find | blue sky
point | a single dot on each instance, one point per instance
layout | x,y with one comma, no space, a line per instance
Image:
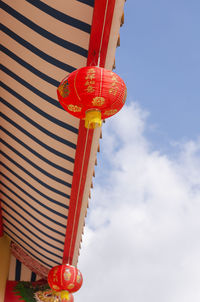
159,59
141,240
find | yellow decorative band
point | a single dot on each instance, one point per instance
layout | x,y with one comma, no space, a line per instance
74,108
110,112
98,101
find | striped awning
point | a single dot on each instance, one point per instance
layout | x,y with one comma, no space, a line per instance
41,43
20,272
43,147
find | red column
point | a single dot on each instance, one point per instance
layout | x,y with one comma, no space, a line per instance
99,38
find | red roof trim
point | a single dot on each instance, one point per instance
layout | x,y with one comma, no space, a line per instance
80,171
99,38
100,32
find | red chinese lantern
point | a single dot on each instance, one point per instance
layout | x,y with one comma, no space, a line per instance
92,93
65,278
71,298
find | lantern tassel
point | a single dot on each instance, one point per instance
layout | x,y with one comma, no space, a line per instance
93,119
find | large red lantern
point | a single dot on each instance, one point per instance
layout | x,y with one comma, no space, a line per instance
92,93
65,278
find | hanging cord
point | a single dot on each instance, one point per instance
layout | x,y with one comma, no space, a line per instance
79,185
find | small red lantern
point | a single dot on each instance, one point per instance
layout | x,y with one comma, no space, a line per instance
71,298
65,278
92,93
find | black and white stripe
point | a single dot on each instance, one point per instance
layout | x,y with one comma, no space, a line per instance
19,272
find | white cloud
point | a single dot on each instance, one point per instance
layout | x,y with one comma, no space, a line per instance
142,237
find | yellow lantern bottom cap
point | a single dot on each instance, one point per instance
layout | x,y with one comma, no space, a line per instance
93,119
